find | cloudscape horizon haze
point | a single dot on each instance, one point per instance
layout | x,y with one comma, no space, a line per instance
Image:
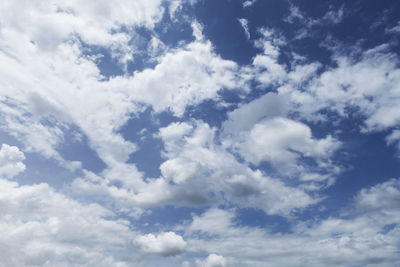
200,133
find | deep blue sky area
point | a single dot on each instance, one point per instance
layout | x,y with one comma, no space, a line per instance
200,133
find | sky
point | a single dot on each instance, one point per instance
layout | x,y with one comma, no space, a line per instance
200,133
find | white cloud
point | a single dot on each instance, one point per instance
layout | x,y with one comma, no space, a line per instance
333,16
11,161
197,164
245,25
213,221
295,14
156,48
196,170
213,260
50,84
176,6
343,89
266,68
247,115
282,141
184,77
395,29
248,3
49,24
44,228
164,244
381,198
394,138
197,31
259,132
367,233
346,86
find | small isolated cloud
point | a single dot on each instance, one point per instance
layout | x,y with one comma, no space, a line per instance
248,3
11,161
245,25
164,244
213,260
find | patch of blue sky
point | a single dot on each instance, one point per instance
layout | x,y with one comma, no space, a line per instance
369,161
75,147
39,169
252,217
142,130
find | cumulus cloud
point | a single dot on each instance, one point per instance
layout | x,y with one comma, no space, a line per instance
344,87
247,115
72,91
164,244
196,170
214,221
213,260
43,227
184,77
259,132
280,140
11,161
366,233
55,22
194,157
51,82
266,68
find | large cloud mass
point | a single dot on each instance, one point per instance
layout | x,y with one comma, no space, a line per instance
149,133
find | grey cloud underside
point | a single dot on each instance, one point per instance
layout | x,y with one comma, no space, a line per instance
51,86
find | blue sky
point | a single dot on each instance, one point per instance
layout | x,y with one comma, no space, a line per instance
199,133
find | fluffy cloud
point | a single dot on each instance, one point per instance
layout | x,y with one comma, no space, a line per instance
50,23
259,131
62,85
164,244
184,77
43,227
213,260
265,66
194,157
52,87
342,89
11,161
248,3
366,233
345,88
198,171
280,140
247,115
